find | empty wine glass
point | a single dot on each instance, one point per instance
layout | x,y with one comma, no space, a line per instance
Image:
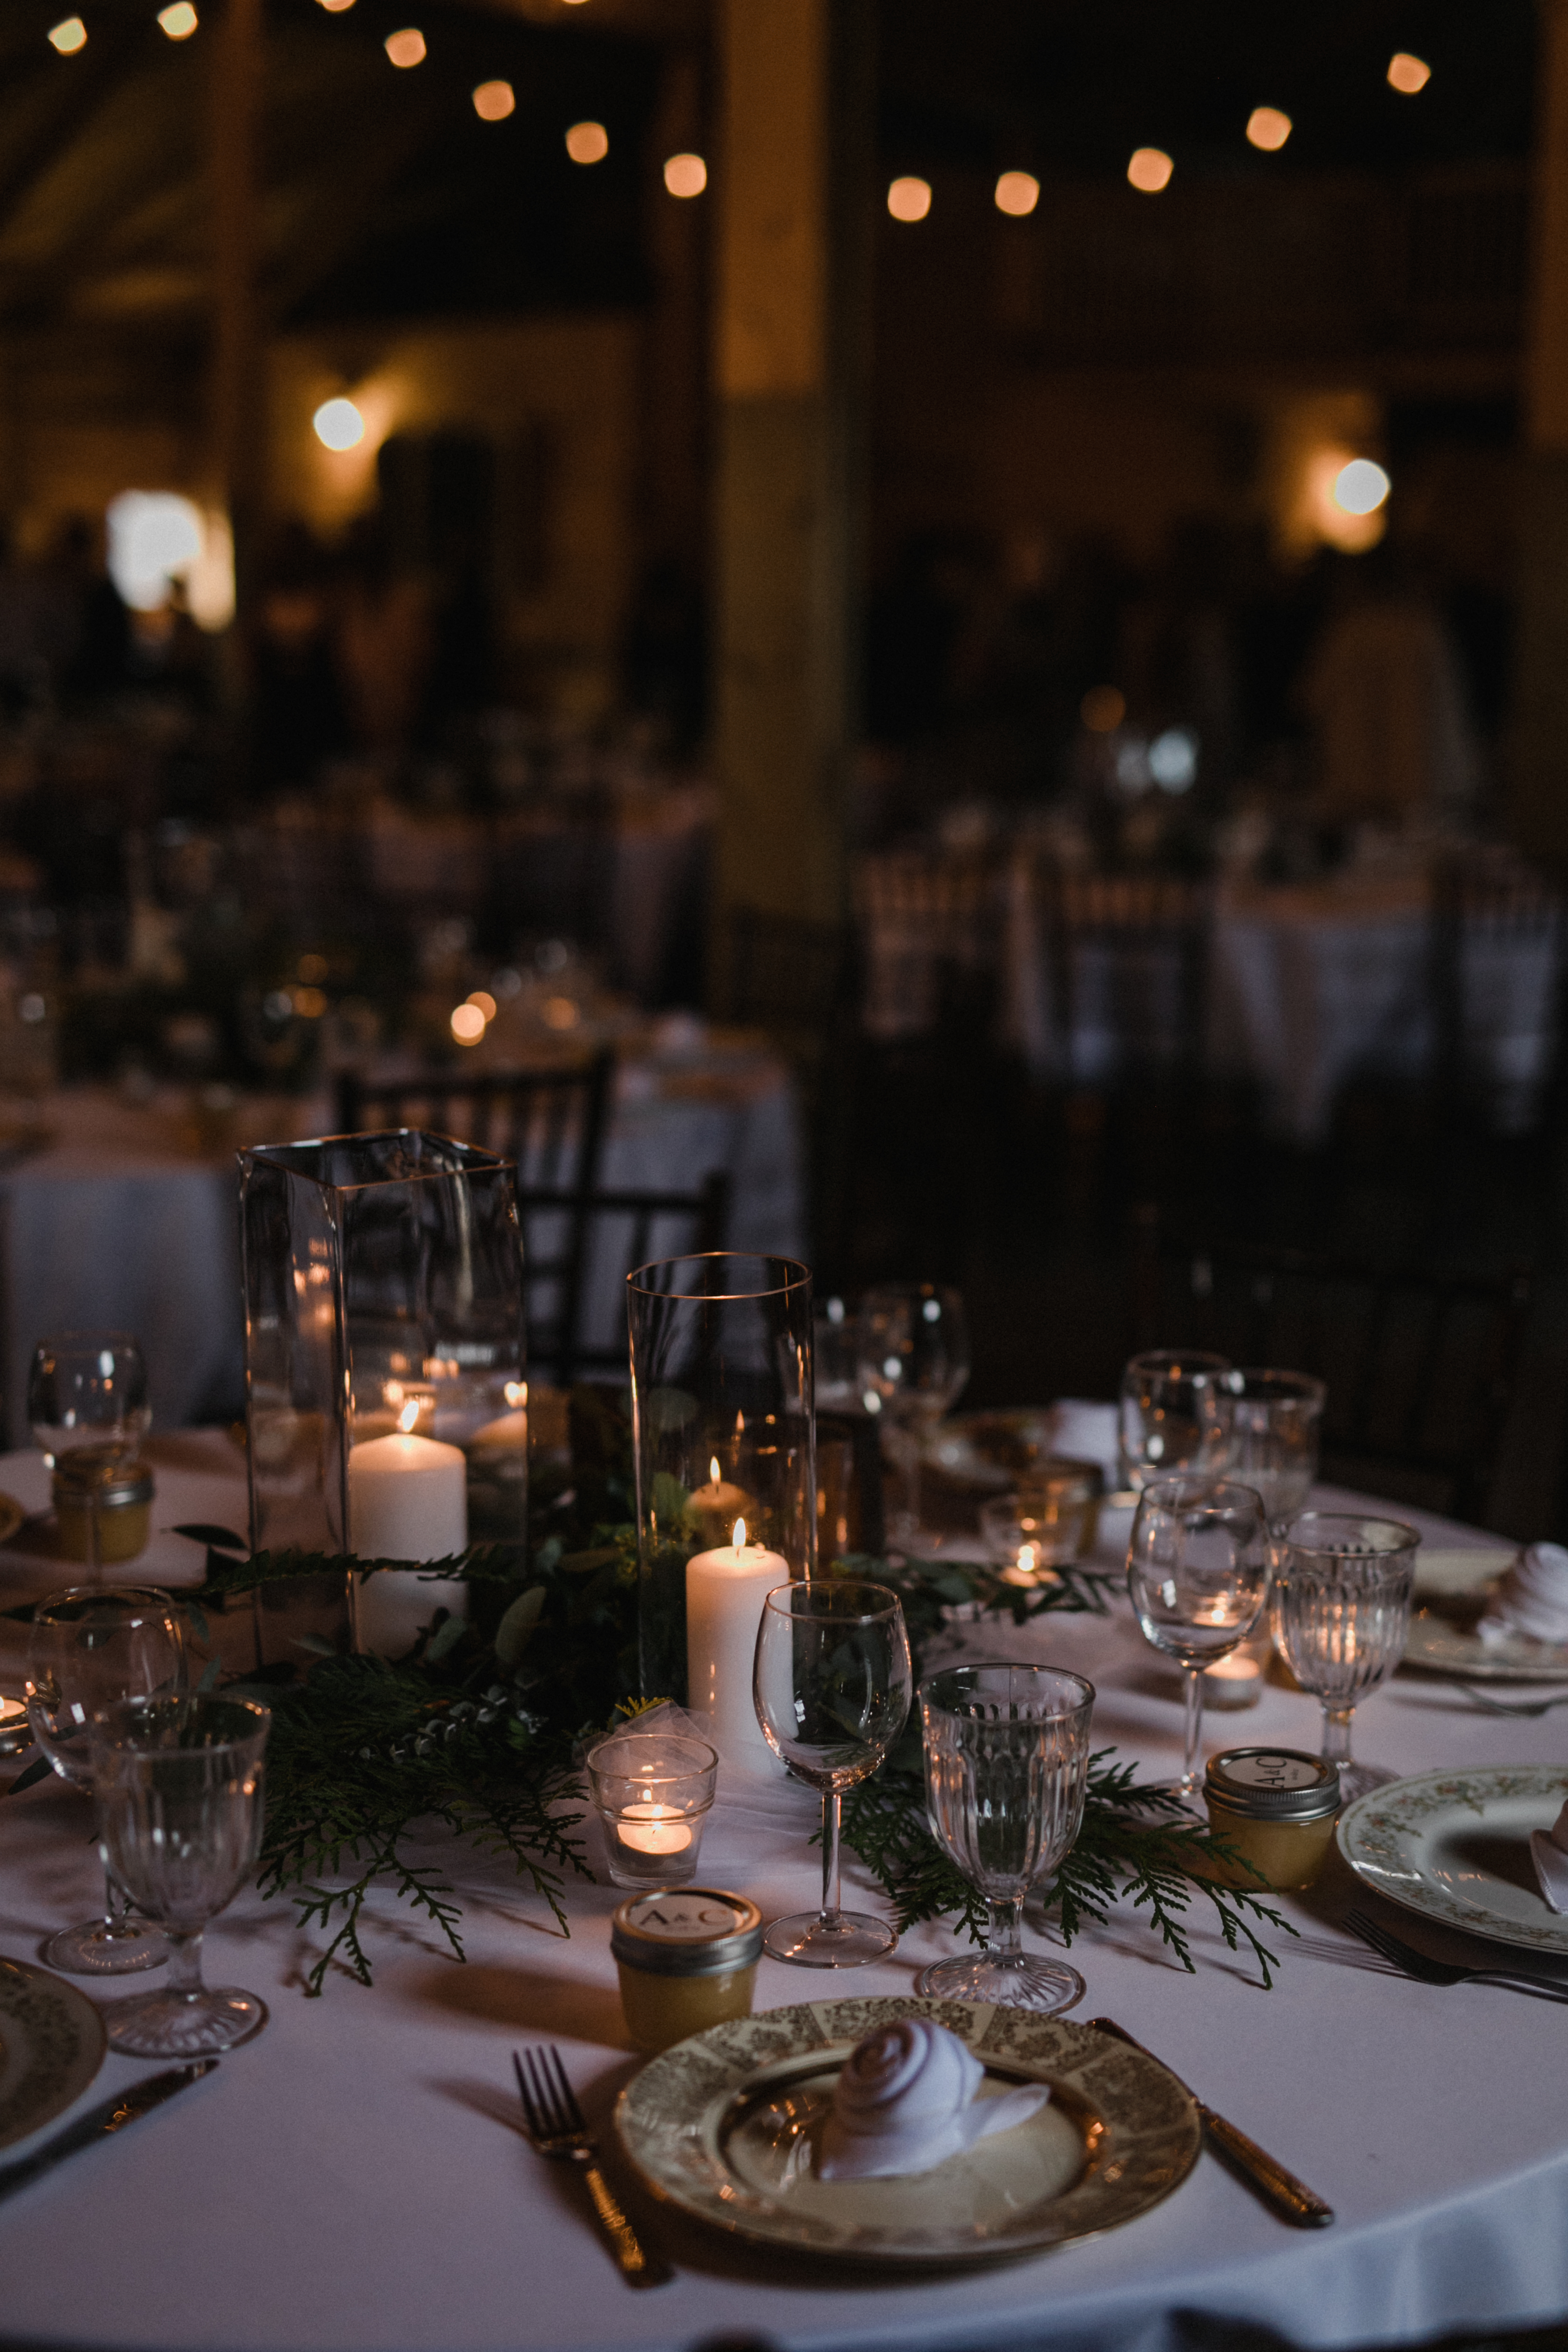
1341,1612
87,1402
1173,1415
1275,1419
1006,1760
179,1817
832,1684
1197,1568
89,1646
913,1344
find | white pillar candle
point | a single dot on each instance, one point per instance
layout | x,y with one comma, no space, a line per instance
408,1499
725,1589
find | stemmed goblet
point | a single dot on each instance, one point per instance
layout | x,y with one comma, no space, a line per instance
1173,1414
1197,1568
913,1345
89,1646
179,1815
1275,1423
1006,1761
87,1402
832,1683
1341,1613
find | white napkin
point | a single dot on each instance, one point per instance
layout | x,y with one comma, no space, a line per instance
1531,1597
904,2102
1549,1852
1086,1433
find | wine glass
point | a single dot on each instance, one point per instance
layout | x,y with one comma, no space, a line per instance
90,1645
1341,1612
179,1817
87,1402
1197,1568
1173,1415
832,1683
1007,1759
1274,1424
913,1348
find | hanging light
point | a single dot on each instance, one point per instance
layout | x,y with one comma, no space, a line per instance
1017,193
494,100
178,21
68,35
408,47
1149,169
338,424
685,176
1268,129
1360,488
909,199
334,8
587,142
1407,74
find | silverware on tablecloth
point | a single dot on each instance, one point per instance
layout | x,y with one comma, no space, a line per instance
109,2116
1288,2197
1426,1970
1514,1707
557,2127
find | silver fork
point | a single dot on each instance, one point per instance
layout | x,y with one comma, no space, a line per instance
1514,1707
1426,1970
557,2126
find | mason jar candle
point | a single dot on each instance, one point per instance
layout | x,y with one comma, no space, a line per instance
1276,1808
686,1957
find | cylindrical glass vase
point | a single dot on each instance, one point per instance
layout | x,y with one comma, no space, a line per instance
386,1404
722,1421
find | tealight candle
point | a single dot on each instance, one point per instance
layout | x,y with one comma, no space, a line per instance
653,1791
725,1589
653,1829
1236,1681
408,1499
15,1731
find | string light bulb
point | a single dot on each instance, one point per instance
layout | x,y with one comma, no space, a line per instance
1149,169
1360,488
1407,74
334,8
1018,193
909,199
494,100
587,142
68,35
406,48
685,176
1268,129
178,21
338,424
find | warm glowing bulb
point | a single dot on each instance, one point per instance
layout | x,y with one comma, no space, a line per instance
483,1002
1360,488
685,176
68,35
1017,193
494,100
909,199
335,7
408,47
468,1025
338,424
1102,709
1268,127
1407,74
587,142
179,21
1150,170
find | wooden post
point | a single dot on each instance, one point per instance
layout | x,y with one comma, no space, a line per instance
238,413
790,307
1538,782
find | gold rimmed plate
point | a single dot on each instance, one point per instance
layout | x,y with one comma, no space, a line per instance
51,2046
728,2125
1455,1847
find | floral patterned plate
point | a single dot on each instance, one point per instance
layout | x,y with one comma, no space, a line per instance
51,2046
726,2126
1455,1846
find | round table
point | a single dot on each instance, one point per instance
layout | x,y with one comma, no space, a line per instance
353,2180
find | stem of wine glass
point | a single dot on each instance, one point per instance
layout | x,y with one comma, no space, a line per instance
185,1960
1004,1926
116,1909
830,1809
1336,1749
1194,1721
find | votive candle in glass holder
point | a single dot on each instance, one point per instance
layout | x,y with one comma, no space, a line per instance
652,1790
1050,1523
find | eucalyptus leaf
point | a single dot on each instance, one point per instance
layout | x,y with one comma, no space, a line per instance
512,1633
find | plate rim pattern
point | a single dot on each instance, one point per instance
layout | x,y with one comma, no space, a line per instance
65,2044
1370,1844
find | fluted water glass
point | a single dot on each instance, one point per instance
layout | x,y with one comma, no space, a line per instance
1341,1612
1006,1762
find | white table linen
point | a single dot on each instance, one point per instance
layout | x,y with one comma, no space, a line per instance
350,2181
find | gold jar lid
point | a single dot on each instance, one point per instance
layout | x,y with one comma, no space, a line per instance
79,1482
686,1931
1273,1784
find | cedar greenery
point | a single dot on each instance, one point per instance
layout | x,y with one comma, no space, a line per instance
481,1729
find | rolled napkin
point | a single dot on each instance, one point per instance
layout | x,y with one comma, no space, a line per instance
1531,1597
904,2102
1085,1432
1549,1852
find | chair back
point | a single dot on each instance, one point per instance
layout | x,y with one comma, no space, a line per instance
1498,974
549,1122
1128,959
617,1231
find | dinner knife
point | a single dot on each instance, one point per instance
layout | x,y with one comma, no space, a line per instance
110,2115
1290,2199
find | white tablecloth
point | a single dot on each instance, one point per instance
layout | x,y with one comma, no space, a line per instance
350,2181
114,1225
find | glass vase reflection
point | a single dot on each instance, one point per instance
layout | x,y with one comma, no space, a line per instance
386,1401
722,1422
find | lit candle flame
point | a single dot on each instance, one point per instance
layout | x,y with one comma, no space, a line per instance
739,1538
714,1469
409,1415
